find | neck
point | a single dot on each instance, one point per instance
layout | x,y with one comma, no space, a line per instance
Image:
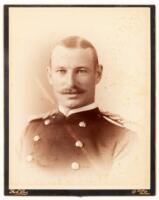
67,111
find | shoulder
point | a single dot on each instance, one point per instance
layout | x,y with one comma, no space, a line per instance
117,121
39,121
38,126
113,119
123,133
114,124
41,117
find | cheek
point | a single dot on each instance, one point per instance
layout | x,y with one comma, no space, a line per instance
56,79
88,82
86,79
56,83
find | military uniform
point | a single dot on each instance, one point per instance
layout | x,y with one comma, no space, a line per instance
84,140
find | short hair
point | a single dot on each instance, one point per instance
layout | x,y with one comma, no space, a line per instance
79,42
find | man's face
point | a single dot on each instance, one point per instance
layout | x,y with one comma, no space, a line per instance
73,76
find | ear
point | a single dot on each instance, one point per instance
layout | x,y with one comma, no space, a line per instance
49,74
99,70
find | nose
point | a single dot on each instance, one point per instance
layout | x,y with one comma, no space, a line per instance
71,79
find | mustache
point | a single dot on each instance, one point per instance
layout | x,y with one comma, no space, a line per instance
72,90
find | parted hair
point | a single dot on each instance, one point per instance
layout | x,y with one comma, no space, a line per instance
78,42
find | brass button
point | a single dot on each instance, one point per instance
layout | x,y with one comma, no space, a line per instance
79,144
82,124
75,165
29,158
47,122
36,138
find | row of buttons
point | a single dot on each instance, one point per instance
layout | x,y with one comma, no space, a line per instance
78,143
81,124
74,165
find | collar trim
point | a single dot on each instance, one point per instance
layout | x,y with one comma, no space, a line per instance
77,110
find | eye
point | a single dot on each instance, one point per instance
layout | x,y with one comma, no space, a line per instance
82,71
61,71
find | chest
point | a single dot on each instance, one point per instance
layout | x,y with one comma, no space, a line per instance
70,145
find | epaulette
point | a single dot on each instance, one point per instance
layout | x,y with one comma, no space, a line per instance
114,119
41,116
119,121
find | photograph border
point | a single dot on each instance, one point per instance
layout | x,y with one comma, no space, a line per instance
83,192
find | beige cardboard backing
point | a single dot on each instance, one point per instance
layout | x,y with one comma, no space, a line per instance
122,39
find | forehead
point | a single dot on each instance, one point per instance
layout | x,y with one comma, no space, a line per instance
62,55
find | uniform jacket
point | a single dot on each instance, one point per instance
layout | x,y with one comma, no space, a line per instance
83,140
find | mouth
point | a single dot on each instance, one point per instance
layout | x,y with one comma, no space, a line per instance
72,95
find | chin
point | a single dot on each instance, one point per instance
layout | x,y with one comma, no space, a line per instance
73,105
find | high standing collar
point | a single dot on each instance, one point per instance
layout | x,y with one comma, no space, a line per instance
87,115
77,110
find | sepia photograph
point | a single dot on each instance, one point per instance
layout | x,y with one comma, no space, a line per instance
79,99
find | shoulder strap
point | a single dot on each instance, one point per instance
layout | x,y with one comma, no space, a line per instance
41,116
113,118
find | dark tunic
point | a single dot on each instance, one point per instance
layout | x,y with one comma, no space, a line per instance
83,140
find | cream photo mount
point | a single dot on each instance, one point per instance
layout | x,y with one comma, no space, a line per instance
16,37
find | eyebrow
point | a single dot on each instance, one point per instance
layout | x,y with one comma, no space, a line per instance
83,67
58,66
78,67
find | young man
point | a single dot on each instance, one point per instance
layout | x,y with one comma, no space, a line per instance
78,136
